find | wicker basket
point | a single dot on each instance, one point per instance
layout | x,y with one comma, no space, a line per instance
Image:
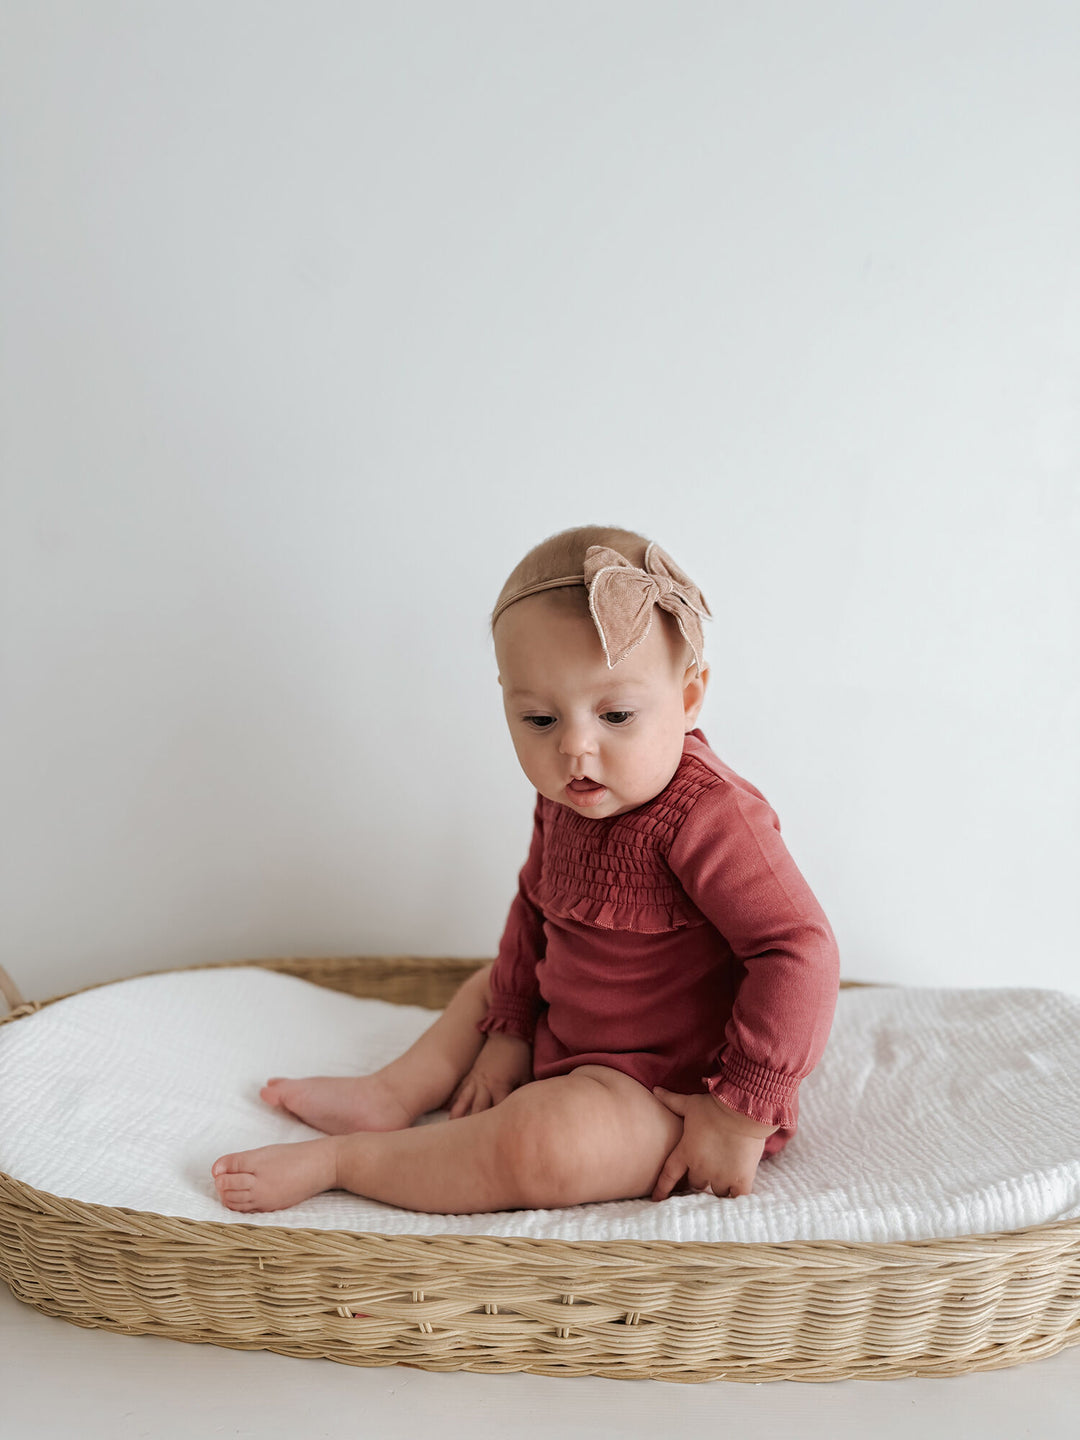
822,1310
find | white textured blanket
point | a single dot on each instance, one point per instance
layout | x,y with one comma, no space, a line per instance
934,1112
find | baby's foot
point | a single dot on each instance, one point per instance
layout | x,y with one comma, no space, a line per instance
276,1176
339,1106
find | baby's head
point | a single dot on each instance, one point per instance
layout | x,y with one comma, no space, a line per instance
600,683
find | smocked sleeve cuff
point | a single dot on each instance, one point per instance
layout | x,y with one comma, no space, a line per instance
768,1096
510,1015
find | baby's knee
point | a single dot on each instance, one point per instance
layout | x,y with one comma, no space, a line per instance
533,1161
543,1152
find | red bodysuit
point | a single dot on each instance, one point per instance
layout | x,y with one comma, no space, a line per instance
677,942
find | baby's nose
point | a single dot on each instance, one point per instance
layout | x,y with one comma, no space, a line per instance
578,740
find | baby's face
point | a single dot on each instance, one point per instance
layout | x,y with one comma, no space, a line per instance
597,740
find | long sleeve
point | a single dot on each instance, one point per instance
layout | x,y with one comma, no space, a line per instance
515,992
731,861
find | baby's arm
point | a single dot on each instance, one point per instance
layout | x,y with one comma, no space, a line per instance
505,1062
733,864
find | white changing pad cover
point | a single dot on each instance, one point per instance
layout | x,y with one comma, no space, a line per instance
934,1112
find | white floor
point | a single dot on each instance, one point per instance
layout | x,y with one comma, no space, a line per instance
57,1380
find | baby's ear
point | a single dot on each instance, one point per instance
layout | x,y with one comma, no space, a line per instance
694,687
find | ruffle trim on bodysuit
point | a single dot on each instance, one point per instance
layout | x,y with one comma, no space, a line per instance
613,873
636,917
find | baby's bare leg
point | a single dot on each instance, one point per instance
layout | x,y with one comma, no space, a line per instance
595,1134
421,1079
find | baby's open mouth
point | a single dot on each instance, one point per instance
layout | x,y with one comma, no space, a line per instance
586,791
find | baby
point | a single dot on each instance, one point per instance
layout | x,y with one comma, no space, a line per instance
665,978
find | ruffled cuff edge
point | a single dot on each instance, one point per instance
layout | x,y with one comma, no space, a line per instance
510,1017
768,1096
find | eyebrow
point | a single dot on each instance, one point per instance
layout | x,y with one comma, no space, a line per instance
609,690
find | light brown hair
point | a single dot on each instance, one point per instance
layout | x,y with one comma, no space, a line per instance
563,554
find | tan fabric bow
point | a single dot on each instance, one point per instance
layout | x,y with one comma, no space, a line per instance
622,597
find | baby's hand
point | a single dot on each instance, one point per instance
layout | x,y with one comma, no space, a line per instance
719,1147
503,1064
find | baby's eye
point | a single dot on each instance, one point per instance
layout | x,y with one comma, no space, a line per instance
618,717
540,722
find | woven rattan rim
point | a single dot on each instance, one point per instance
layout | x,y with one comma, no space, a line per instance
822,1310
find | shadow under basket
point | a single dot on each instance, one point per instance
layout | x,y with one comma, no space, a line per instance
665,1310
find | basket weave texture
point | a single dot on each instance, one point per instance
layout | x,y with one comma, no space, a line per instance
667,1310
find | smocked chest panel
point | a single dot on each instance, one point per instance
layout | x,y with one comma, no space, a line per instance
614,873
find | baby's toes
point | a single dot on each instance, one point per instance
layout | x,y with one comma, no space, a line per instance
233,1172
235,1183
239,1198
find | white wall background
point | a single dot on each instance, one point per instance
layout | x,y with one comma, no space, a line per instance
317,315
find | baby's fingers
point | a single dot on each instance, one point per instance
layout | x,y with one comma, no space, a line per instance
461,1102
470,1098
483,1098
675,1168
729,1184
